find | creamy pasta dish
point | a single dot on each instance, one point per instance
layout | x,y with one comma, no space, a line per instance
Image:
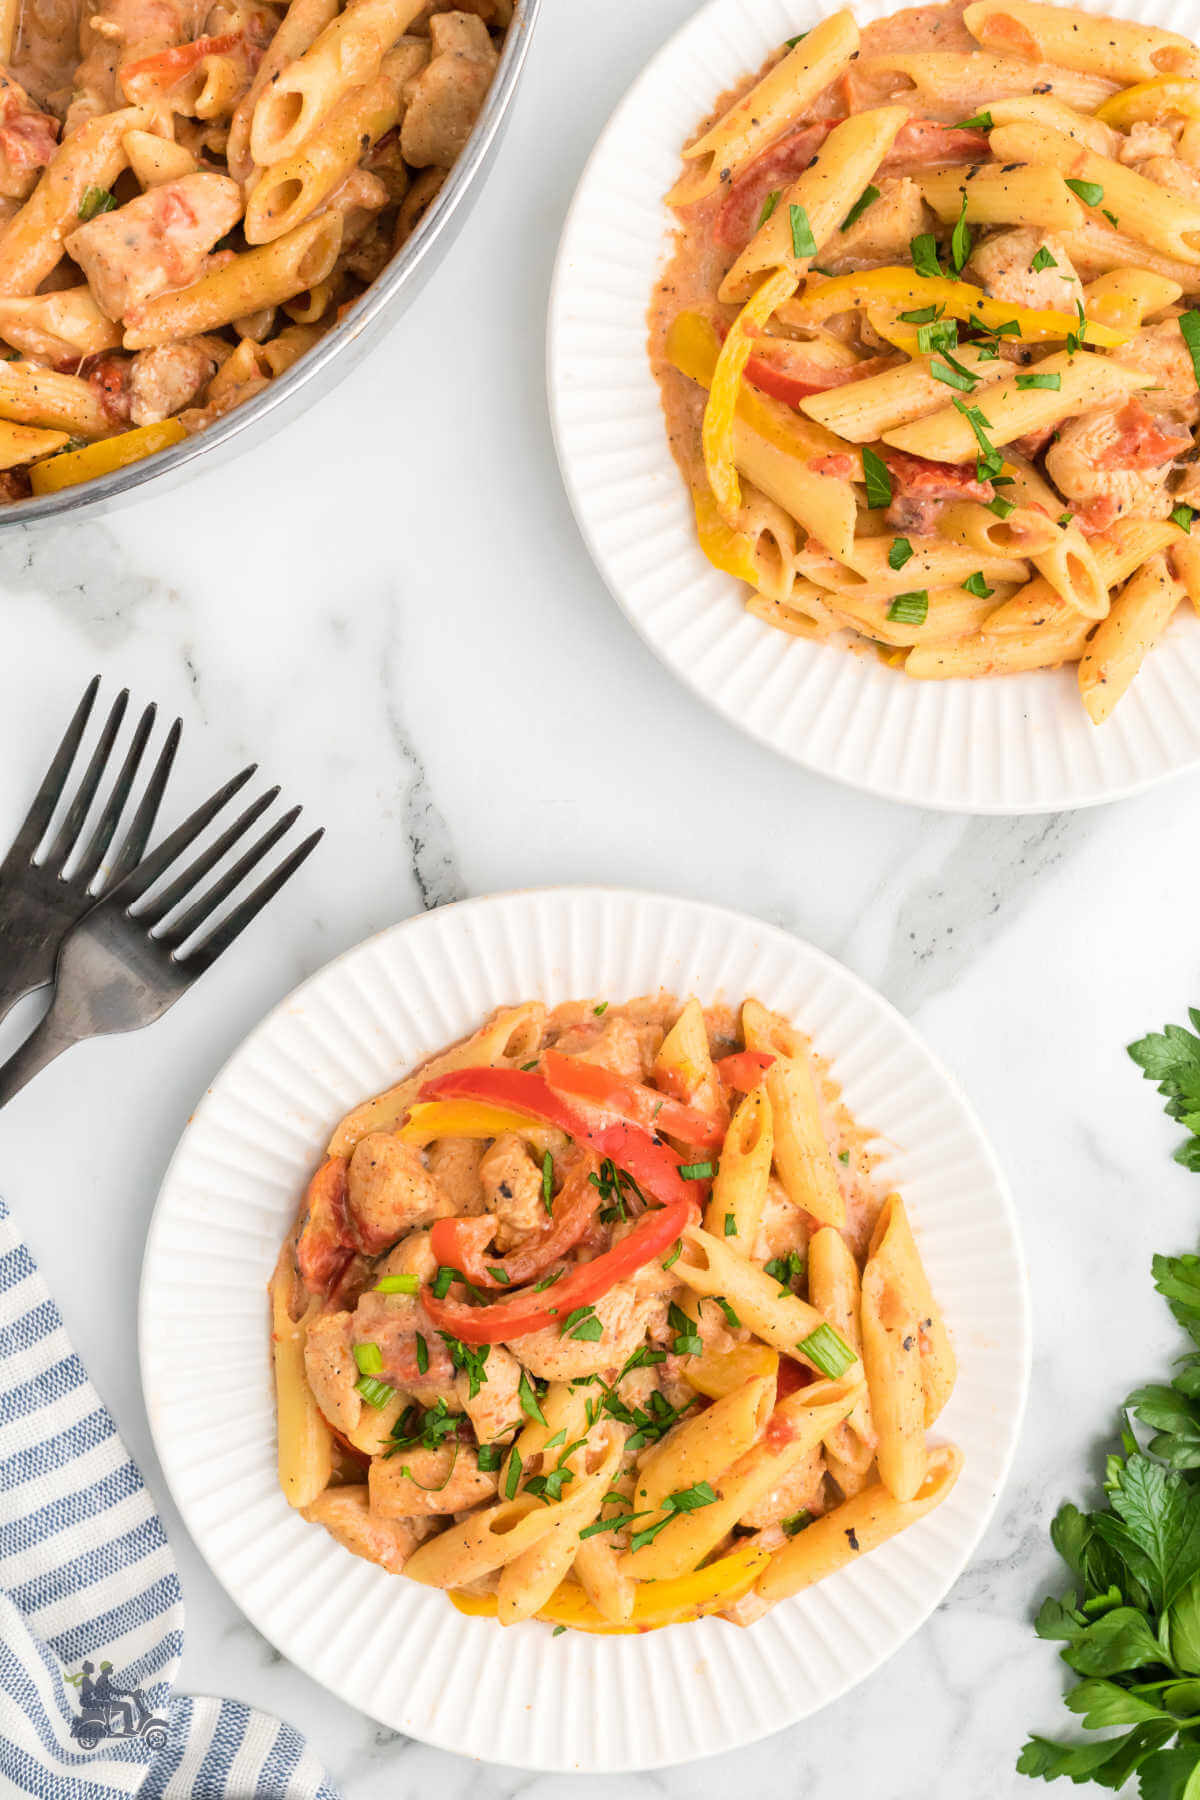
193,191
929,339
600,1317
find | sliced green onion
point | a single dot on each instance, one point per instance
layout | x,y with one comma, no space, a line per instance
828,1351
397,1284
730,1225
547,1181
701,1171
910,609
422,1355
369,1358
375,1393
442,1282
796,1521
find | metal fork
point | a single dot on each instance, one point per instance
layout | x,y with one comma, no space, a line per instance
121,966
38,901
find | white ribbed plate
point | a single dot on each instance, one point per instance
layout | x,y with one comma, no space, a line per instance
1014,744
399,1651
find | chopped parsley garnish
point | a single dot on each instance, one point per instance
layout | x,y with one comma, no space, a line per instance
1036,379
731,1318
601,1009
675,1254
828,1351
796,1521
1000,506
547,1181
1090,192
975,584
687,1339
860,206
1112,218
615,1189
1076,338
500,1275
730,1225
1182,516
422,1355
876,477
803,242
980,121
990,462
549,1487
512,1480
583,1323
924,252
527,1396
790,43
1189,325
396,1284
899,553
947,368
768,207
490,1457
786,1269
922,315
1043,260
685,1500
539,1287
960,238
470,1359
427,1428
939,334
910,609
96,200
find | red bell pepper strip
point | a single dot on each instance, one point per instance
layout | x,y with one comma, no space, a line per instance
324,1247
653,1165
164,68
455,1244
638,1104
530,1311
744,1069
795,383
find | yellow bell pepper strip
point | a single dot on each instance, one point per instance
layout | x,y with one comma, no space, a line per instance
730,551
433,1119
693,348
1122,298
656,1603
1149,100
717,430
905,290
719,1374
102,458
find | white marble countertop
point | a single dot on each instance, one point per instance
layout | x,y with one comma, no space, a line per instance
390,608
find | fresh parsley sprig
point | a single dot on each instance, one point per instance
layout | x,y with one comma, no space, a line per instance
1171,1057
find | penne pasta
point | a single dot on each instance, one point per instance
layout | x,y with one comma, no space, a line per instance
1136,620
1114,48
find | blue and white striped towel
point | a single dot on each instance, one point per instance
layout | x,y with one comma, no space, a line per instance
91,1614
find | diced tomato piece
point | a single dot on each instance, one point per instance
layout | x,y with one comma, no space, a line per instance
776,167
1141,442
1000,31
110,376
920,488
745,1068
28,140
922,143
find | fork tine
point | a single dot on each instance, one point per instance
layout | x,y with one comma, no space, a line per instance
206,953
77,812
33,827
207,904
142,823
186,883
106,825
159,861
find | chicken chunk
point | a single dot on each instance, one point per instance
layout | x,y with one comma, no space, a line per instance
448,96
1144,141
800,1490
1003,266
1111,463
390,1191
1176,176
346,1514
154,243
495,1410
28,139
623,1317
331,1369
921,490
1159,350
454,1165
512,1187
883,233
395,1322
419,1482
165,380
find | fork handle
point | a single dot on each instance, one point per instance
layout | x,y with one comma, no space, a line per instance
48,1040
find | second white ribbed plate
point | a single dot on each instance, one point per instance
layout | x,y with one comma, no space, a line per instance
399,1651
1012,744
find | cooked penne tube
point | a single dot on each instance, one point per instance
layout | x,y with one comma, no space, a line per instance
1185,561
949,614
1097,249
265,276
53,327
760,115
861,411
966,81
300,27
705,1444
1129,543
1142,209
26,443
1123,298
1003,652
348,52
855,1528
799,1424
528,1580
1012,411
1026,531
1070,566
33,396
155,159
891,1356
815,204
718,1372
934,563
305,1442
835,1289
683,1065
710,1266
803,1159
1044,109
1002,196
1136,620
92,157
739,1189
598,1571
1114,48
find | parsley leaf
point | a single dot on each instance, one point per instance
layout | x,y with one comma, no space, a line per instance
868,195
878,481
1172,1059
